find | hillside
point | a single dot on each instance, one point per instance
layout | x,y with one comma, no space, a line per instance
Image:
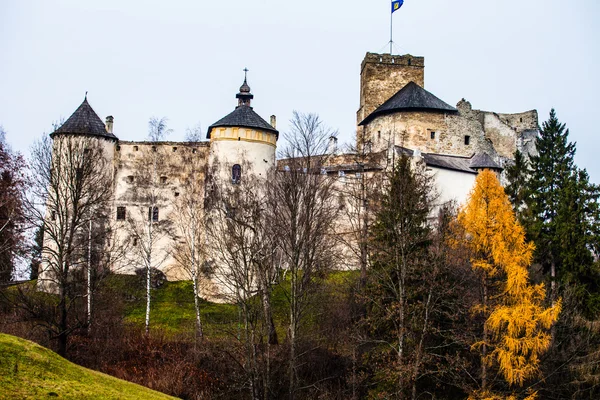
28,370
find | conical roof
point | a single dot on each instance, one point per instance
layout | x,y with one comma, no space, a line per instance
243,117
411,97
84,121
483,160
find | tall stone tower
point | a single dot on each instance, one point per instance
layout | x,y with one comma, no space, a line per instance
383,75
242,143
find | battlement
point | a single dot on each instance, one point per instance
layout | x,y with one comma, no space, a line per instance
406,60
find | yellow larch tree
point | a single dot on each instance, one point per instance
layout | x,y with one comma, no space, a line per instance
516,330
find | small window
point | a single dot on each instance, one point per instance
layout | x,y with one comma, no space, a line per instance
378,134
118,148
194,151
121,213
163,180
409,61
236,173
154,149
174,149
135,148
467,140
86,151
176,194
130,179
521,119
135,242
153,213
432,135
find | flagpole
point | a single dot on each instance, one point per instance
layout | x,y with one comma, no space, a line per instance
391,31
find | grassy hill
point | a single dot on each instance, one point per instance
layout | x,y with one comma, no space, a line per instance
30,371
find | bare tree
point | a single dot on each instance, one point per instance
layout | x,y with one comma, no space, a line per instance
146,227
189,224
244,254
70,189
302,201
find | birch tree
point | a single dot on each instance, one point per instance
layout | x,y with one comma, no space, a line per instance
304,208
145,225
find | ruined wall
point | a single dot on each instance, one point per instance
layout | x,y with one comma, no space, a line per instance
382,75
498,135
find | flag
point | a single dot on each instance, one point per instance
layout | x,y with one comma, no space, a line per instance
396,4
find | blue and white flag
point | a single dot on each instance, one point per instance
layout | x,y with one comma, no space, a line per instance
396,4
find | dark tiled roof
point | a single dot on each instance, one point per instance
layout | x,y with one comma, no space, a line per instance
411,97
483,160
456,163
243,116
84,121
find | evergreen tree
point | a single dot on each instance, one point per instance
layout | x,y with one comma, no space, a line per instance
560,213
515,333
517,175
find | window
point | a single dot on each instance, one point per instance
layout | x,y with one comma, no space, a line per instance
194,151
118,148
236,173
134,242
174,149
135,148
86,151
432,135
409,61
467,140
378,134
521,119
163,180
130,179
154,149
176,194
120,213
153,213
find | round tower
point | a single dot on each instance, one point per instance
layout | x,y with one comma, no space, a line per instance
81,168
242,143
86,127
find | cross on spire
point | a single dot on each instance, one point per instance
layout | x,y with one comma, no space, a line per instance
246,73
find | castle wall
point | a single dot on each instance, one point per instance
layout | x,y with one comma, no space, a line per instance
141,173
382,75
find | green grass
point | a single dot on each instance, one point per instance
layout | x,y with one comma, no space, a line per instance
172,306
30,371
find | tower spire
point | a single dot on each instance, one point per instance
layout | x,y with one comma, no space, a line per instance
244,96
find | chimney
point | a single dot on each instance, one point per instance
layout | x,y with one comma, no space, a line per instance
332,148
109,124
274,121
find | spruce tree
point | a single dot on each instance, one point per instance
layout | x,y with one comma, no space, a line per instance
560,213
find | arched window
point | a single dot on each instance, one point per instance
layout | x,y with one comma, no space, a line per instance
236,173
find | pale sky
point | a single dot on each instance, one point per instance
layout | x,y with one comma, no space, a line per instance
184,60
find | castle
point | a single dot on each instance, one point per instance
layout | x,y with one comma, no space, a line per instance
397,116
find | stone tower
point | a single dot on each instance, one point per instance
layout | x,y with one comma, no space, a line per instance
242,143
382,75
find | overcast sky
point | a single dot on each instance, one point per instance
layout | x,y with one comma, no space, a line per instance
184,60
